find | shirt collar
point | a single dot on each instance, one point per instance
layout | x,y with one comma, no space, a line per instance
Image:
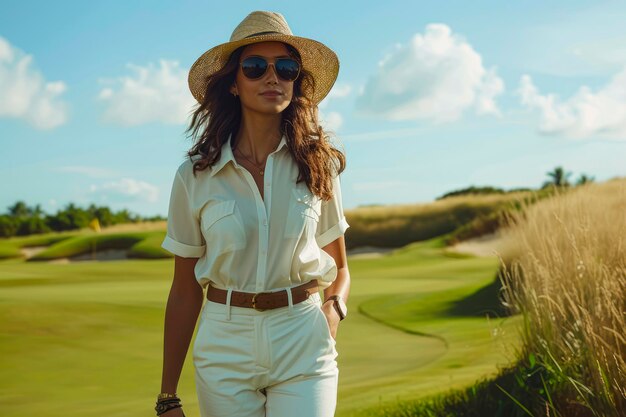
227,154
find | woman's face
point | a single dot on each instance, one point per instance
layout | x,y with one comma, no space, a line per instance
268,94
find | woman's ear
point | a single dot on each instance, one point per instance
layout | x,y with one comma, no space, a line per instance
233,90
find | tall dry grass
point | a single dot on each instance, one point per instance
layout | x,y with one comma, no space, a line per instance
398,225
565,271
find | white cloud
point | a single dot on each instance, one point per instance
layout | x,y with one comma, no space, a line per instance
338,91
24,93
150,94
331,121
128,189
586,113
436,76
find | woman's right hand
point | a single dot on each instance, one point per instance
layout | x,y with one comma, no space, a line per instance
177,412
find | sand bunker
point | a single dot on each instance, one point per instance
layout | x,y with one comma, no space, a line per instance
487,245
32,251
365,252
102,255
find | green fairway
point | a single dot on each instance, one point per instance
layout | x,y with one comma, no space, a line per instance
85,339
433,334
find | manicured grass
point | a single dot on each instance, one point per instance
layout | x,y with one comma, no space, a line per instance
85,339
10,248
421,292
138,244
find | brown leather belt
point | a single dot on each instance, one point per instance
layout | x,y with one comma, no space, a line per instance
263,300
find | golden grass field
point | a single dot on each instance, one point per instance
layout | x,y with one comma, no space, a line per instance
568,279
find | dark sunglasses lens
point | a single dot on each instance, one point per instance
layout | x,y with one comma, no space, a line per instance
253,67
287,69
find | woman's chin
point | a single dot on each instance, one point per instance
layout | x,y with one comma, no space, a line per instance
272,109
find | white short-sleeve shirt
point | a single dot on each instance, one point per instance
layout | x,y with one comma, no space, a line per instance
248,243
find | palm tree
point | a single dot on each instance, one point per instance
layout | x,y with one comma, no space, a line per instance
584,179
558,178
19,209
37,211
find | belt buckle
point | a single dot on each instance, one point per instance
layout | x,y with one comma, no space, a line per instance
254,301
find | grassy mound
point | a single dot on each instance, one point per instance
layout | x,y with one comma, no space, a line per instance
396,226
10,248
138,245
149,248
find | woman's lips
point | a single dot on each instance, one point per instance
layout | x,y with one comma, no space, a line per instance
271,94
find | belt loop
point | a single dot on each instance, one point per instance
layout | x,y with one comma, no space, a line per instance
228,297
289,297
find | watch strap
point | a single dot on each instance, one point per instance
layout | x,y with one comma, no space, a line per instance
336,298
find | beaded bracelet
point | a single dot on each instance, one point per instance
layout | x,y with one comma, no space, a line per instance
164,406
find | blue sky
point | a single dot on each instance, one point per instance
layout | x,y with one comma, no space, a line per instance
431,96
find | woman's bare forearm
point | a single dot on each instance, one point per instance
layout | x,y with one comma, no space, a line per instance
181,314
340,286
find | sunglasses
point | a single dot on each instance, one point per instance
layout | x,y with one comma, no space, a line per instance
254,67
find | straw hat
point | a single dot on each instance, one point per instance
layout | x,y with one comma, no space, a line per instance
262,26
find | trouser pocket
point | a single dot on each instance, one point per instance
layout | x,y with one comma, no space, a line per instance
323,323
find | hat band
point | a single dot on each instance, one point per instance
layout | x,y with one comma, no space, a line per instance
263,33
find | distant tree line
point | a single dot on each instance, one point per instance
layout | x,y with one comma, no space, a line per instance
480,190
558,177
21,219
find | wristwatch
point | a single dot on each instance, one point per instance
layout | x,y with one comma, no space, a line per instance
340,305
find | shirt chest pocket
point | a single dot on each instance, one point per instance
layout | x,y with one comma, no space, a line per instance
223,228
303,215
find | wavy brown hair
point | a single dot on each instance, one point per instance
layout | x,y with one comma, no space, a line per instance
219,115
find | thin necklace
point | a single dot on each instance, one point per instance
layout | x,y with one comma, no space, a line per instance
260,168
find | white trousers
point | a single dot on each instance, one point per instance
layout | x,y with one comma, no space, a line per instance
272,363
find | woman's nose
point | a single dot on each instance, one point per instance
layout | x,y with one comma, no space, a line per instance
273,76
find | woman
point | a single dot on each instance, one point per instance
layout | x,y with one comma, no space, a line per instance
256,218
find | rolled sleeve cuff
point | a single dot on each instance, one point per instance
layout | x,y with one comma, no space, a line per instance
180,249
333,233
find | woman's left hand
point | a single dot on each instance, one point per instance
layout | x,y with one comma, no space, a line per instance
332,317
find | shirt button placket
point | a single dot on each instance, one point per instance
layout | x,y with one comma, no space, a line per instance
264,251
261,265
263,215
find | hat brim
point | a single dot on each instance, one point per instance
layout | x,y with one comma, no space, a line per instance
317,58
